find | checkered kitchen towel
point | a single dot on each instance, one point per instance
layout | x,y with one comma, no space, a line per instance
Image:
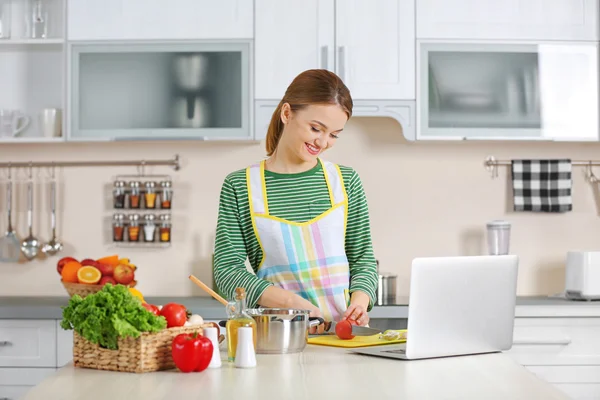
542,185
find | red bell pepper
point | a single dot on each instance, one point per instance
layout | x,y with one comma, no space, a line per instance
191,352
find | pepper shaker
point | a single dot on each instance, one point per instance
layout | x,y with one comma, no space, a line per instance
245,356
119,194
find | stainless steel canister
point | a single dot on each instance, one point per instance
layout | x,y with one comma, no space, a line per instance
281,330
386,288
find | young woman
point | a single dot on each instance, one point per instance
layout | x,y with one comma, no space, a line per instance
302,222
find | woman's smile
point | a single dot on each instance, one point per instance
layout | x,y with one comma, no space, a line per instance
312,149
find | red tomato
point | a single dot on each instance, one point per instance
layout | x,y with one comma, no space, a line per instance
343,330
175,314
152,308
191,352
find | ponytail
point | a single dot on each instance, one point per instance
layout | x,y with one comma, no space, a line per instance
275,130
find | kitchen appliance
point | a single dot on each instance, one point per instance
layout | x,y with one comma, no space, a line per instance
582,275
281,330
191,71
190,112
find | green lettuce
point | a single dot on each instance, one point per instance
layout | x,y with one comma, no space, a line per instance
109,314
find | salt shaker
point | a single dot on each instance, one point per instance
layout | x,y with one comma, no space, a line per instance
245,357
211,334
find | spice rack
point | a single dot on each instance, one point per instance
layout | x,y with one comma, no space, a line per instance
142,210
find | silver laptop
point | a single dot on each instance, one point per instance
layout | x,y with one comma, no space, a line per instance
458,306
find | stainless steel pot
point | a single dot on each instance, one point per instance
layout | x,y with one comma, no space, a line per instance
386,288
281,330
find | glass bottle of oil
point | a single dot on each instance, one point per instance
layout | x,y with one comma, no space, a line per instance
238,317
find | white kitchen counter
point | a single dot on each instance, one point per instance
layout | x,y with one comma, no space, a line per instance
317,373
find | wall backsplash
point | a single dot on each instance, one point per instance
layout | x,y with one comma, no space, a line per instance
425,199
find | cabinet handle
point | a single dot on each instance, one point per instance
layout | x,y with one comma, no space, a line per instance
559,342
342,62
324,57
4,343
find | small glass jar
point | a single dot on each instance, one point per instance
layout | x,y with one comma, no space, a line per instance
133,230
119,192
166,194
149,227
150,195
134,194
118,227
165,228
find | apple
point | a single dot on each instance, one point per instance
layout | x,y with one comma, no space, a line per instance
61,263
89,261
107,279
105,269
123,274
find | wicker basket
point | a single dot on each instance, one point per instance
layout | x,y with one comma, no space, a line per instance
83,289
149,352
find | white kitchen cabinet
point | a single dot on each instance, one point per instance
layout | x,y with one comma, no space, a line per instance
15,382
562,351
64,346
508,19
291,37
507,91
157,19
375,48
369,44
27,343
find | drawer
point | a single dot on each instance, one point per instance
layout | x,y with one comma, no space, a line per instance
64,346
556,341
27,343
15,382
13,392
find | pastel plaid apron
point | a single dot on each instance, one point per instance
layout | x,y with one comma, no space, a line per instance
307,258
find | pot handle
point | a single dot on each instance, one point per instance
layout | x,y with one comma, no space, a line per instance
315,321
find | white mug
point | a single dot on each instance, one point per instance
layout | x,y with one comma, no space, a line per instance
51,122
13,122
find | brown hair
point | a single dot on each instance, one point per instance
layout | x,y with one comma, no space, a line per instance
314,86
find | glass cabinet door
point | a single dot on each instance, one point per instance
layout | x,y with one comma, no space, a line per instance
508,91
160,91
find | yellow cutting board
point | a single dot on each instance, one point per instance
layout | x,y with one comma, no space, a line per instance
356,341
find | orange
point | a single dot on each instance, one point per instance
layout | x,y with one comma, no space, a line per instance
69,271
89,274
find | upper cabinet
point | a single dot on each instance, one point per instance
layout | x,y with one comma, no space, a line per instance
502,91
160,90
369,44
159,19
508,19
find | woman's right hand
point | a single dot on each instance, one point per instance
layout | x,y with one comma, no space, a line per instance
318,329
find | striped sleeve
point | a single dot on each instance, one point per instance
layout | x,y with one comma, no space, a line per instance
230,251
359,247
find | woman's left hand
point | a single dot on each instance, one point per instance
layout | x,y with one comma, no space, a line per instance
357,310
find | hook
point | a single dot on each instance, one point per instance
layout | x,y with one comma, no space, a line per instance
30,170
142,167
590,173
53,168
9,171
492,166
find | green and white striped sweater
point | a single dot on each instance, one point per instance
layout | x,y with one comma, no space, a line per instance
296,197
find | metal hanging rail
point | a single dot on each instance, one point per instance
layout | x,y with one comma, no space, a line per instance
174,162
491,164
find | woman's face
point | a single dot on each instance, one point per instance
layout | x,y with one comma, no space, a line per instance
312,130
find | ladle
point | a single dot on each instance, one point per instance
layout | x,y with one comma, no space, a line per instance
54,245
30,246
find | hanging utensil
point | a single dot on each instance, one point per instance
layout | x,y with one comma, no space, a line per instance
9,244
30,246
54,245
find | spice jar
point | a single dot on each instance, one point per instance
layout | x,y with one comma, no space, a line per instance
165,228
150,195
149,228
134,194
119,194
166,194
133,230
118,227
